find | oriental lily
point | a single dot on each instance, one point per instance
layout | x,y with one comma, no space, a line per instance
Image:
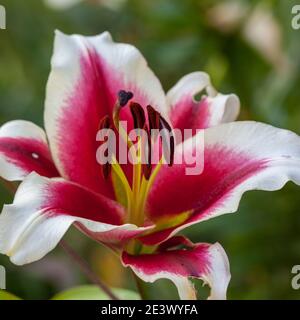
137,211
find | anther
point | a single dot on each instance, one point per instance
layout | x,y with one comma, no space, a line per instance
156,121
105,123
147,166
124,97
153,117
169,153
106,169
138,115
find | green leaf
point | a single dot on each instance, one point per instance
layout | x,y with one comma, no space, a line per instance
4,295
91,292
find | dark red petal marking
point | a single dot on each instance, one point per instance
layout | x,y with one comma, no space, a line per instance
93,97
189,263
190,114
29,155
159,236
89,103
204,261
175,242
223,171
68,198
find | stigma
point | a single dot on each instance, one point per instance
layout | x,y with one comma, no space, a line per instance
124,97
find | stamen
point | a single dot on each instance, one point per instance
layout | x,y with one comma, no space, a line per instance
105,123
156,121
121,178
147,167
153,117
147,170
124,97
138,115
143,172
168,154
106,170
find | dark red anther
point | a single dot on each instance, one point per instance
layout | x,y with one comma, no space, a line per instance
170,151
153,117
147,167
124,97
147,170
138,115
163,124
156,121
105,123
106,170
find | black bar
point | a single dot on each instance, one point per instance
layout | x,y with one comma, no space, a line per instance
93,310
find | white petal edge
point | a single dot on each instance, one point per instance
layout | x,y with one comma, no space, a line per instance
27,234
217,277
256,139
18,129
189,85
223,107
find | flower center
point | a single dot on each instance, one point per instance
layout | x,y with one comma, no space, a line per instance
142,143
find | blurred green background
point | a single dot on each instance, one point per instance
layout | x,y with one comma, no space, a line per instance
247,47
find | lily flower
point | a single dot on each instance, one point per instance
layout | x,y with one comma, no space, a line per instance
137,211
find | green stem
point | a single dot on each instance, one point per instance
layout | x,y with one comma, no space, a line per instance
85,268
140,287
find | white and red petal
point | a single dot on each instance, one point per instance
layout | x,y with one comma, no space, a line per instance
188,113
238,157
87,74
116,235
203,261
23,149
44,209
